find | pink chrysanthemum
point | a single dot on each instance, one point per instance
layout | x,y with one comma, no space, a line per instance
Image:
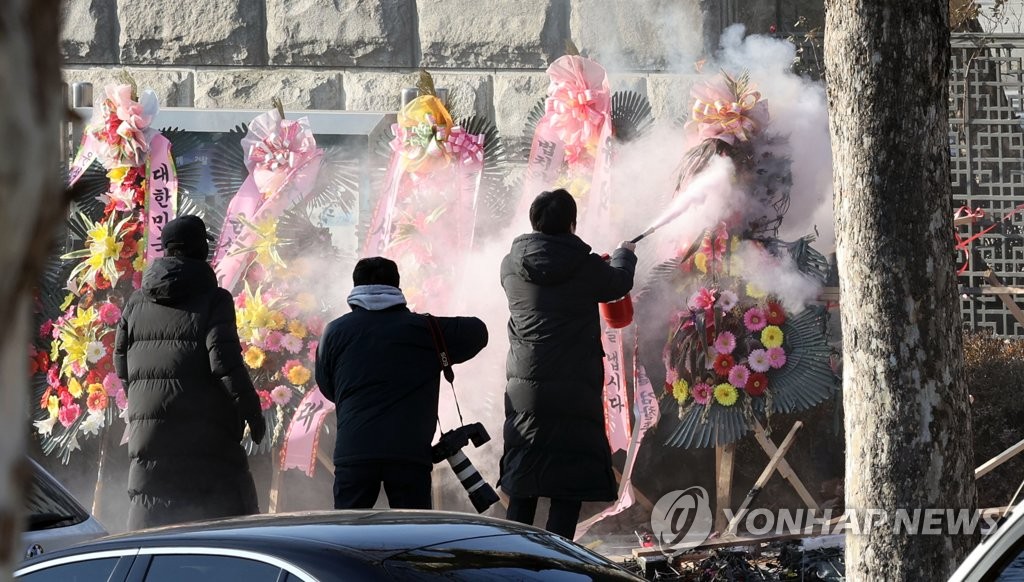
776,357
110,314
738,375
291,343
701,393
754,319
281,395
758,361
727,300
725,343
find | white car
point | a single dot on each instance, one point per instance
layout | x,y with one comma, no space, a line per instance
55,519
1000,555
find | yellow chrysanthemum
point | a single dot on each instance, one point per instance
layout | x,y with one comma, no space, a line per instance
771,336
117,174
681,390
755,291
139,263
276,320
74,387
700,260
52,406
297,329
96,387
254,357
258,316
298,375
726,394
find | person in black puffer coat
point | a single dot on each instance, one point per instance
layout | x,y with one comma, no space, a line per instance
189,395
555,442
380,366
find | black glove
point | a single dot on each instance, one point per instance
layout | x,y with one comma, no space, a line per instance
257,428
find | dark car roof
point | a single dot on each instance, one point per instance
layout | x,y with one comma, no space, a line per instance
408,539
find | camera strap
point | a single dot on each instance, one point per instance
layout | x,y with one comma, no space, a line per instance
442,356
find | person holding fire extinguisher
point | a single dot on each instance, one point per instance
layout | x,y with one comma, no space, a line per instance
554,433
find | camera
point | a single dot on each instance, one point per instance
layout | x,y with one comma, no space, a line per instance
449,447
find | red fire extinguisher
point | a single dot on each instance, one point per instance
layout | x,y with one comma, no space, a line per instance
619,313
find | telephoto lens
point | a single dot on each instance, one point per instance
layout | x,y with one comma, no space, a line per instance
481,494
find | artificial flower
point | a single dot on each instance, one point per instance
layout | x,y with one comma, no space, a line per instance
701,393
776,357
771,336
298,375
757,384
727,300
774,313
726,394
297,329
254,357
265,401
754,319
69,414
291,343
758,361
94,352
74,388
53,406
725,343
312,348
680,390
755,291
46,329
700,260
97,401
276,320
273,341
53,377
45,426
66,399
704,298
728,109
93,422
112,383
723,363
121,398
281,395
738,375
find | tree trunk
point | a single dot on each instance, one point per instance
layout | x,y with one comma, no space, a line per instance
31,205
908,435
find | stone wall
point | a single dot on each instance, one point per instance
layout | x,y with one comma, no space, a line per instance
359,54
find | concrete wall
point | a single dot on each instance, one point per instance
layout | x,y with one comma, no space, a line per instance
359,54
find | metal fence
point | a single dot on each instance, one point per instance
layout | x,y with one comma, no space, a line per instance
986,137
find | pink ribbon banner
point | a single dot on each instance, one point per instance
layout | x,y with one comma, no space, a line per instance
161,195
303,434
646,411
87,154
616,402
283,163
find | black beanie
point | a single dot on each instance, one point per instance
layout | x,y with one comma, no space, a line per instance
185,236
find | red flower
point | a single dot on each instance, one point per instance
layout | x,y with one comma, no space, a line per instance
724,363
43,360
93,377
97,401
46,329
102,282
774,313
265,400
66,399
757,384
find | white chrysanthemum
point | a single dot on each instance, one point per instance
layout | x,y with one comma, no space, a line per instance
95,351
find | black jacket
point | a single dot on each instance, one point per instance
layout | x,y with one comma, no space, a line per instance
555,442
381,370
178,354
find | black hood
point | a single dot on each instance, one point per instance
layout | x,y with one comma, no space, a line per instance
548,259
170,279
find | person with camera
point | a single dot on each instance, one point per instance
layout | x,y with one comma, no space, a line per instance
555,441
189,394
380,365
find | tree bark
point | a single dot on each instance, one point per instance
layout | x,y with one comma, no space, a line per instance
32,203
908,435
